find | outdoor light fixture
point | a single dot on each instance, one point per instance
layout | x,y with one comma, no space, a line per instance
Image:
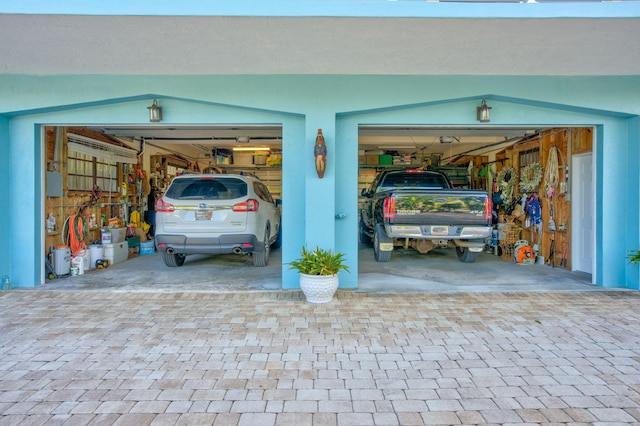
483,112
155,112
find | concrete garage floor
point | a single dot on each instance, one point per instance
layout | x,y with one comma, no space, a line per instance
407,272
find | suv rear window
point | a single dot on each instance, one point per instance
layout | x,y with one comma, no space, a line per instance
207,189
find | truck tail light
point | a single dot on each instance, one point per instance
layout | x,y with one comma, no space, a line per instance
488,210
250,205
390,208
163,207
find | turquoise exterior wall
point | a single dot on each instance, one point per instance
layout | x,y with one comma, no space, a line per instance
323,211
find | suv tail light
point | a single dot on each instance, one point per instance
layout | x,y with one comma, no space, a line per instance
389,208
163,207
250,205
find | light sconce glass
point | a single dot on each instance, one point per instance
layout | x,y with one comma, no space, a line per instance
483,112
155,112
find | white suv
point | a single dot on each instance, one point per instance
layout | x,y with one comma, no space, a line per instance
216,214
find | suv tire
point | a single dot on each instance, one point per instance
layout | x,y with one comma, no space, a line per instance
173,260
261,258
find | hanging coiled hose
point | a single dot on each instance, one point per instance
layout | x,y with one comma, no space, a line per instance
551,172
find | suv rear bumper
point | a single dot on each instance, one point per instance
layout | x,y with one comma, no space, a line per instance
224,244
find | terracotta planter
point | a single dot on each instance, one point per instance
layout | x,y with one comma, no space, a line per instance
318,288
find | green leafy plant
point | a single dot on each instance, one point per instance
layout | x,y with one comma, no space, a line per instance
634,256
319,262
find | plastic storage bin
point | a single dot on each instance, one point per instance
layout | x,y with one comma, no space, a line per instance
118,235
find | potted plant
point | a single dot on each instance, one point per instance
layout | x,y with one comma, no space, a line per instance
634,256
319,273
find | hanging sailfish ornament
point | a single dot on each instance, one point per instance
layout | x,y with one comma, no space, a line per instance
320,152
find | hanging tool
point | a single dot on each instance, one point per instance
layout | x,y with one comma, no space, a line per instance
563,261
551,260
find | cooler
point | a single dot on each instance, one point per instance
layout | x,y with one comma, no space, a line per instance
116,252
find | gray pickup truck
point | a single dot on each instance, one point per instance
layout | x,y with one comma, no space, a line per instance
420,209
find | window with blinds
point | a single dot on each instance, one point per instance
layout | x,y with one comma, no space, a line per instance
84,171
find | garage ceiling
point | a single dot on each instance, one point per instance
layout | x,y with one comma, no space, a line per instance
196,141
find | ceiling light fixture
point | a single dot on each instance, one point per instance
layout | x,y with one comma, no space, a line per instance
483,112
255,148
446,139
243,139
155,112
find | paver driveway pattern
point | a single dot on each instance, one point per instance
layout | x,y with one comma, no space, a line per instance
268,358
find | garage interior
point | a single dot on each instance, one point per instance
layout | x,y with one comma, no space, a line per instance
109,177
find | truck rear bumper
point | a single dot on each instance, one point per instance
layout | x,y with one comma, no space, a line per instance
438,232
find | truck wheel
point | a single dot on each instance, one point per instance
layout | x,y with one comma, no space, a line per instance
466,256
364,238
381,256
173,260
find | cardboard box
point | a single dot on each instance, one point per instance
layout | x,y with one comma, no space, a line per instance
373,159
140,234
243,158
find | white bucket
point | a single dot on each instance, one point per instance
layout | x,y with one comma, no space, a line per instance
97,252
62,260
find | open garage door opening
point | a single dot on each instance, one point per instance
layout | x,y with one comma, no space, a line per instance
439,205
104,184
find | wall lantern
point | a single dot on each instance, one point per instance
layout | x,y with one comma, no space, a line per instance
155,112
483,112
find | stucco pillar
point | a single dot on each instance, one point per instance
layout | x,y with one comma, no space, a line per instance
320,192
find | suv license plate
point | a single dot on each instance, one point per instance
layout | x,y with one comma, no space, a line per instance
439,230
203,214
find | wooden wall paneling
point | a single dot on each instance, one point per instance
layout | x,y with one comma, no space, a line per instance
72,202
561,207
581,140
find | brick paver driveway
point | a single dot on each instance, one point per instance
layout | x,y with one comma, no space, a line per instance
267,358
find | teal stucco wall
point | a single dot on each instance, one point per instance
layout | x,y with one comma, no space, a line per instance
324,211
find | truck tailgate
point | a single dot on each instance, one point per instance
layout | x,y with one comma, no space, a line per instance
449,207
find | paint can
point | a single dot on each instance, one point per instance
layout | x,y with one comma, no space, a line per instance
75,271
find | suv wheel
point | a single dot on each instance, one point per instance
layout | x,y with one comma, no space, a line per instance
261,258
173,259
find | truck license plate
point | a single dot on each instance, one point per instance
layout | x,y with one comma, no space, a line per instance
439,230
203,214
